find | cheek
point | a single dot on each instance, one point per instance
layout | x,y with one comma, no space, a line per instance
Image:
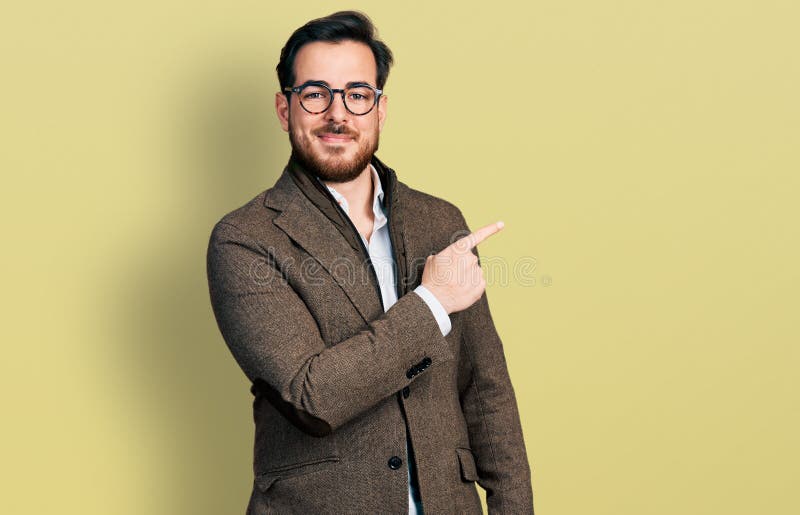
301,131
368,128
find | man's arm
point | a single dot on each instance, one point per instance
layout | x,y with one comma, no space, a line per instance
276,340
490,409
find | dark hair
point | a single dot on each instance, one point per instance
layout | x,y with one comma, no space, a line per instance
339,26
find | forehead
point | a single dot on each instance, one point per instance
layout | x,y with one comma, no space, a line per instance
335,63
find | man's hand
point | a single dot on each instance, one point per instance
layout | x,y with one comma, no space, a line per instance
453,275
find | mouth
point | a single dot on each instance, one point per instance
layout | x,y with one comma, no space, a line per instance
329,137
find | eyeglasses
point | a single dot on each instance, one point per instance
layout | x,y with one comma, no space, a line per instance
317,97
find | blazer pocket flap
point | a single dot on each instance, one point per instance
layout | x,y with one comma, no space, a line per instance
265,479
467,462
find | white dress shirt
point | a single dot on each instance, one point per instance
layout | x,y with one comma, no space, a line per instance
379,247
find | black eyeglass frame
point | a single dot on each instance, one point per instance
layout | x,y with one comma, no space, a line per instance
298,89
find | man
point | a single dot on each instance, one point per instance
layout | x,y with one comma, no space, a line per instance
356,307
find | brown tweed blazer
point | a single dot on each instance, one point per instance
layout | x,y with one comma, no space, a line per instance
338,382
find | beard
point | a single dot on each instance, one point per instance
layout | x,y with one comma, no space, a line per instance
333,166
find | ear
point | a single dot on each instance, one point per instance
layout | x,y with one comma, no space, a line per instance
382,111
282,110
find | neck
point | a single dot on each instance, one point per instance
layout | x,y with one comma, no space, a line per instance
359,192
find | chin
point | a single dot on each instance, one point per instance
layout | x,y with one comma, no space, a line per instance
334,162
341,172
338,151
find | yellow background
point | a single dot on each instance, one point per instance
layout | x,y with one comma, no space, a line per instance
644,153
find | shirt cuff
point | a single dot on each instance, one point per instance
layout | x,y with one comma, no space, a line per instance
436,308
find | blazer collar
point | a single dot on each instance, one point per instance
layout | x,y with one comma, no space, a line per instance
312,218
280,194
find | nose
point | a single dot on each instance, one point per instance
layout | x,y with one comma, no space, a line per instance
337,112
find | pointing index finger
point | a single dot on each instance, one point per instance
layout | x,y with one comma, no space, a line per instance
471,240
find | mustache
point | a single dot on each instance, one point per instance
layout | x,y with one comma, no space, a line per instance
336,128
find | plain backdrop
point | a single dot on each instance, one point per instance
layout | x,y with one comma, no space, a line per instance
643,155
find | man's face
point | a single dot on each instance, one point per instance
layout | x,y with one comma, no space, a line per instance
336,144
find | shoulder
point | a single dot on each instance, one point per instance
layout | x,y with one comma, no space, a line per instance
418,204
246,222
424,208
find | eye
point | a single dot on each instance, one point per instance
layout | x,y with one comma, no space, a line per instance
360,95
314,92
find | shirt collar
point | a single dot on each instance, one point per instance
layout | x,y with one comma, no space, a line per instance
377,198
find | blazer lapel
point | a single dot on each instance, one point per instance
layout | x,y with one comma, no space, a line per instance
405,238
305,224
397,230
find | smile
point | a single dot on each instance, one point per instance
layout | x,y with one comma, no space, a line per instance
335,138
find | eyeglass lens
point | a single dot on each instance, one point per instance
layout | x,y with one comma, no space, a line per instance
358,99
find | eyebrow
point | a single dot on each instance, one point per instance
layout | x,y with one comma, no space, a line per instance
348,85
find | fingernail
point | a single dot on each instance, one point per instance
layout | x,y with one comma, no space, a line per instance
500,225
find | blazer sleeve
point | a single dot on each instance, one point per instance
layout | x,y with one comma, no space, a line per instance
276,340
490,409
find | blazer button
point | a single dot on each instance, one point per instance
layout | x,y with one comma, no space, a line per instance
406,392
395,462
